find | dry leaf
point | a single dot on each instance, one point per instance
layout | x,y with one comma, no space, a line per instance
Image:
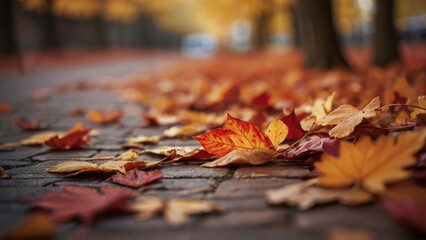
147,207
74,138
77,167
347,118
26,125
5,107
277,132
418,111
255,156
340,233
82,202
295,131
37,226
237,135
370,164
184,131
105,117
40,138
136,178
305,195
144,139
177,210
129,155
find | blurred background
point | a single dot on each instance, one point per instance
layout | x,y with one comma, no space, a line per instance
200,28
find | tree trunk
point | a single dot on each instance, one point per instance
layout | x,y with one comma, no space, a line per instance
385,42
7,40
318,36
49,35
261,30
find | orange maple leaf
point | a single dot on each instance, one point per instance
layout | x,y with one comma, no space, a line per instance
74,138
105,117
236,135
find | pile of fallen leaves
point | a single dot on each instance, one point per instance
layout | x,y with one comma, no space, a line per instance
361,132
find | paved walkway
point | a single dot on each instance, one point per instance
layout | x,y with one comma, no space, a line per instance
238,190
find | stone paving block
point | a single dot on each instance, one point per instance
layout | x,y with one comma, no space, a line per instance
249,218
179,142
37,168
170,194
104,147
37,182
65,154
183,183
249,186
193,171
13,194
11,214
107,154
14,163
290,171
21,153
237,204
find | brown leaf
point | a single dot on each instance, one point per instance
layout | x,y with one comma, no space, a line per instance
104,117
347,118
256,156
40,138
136,178
26,125
37,226
144,139
74,138
5,107
305,195
83,203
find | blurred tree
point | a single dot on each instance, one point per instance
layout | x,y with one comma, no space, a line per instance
7,40
318,36
385,41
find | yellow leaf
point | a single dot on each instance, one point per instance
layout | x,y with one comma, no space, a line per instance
347,118
305,195
144,139
40,138
128,156
177,210
184,131
255,156
147,207
370,164
71,166
277,132
418,111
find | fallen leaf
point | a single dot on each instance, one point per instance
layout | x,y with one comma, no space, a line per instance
177,210
128,155
5,107
348,117
147,207
37,226
255,156
40,138
370,164
184,131
321,107
74,138
295,131
339,233
136,178
26,125
276,132
144,139
75,112
316,145
79,167
407,211
306,194
261,101
105,117
417,111
82,202
3,174
236,135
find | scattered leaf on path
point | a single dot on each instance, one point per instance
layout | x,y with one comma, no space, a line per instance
255,156
277,132
417,111
144,139
305,195
26,125
76,137
82,202
370,164
295,131
37,226
347,118
105,117
236,135
136,178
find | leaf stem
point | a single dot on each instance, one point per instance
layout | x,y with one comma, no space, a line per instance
400,104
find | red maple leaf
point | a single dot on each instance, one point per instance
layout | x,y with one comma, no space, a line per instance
74,138
295,131
82,202
136,178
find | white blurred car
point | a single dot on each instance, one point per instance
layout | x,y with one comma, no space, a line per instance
199,45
